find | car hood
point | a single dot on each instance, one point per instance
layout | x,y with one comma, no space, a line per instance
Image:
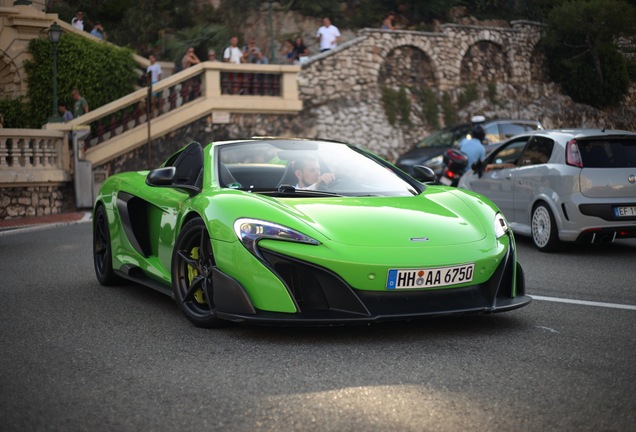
435,219
422,154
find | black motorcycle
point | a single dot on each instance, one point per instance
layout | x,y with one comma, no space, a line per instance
455,163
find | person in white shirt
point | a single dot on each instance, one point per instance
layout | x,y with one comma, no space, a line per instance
78,20
233,53
154,70
328,35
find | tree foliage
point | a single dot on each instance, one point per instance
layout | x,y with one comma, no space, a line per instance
102,73
582,55
140,25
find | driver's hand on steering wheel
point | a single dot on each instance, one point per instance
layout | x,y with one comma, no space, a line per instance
326,179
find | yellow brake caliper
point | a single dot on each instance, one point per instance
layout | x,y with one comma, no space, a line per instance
199,295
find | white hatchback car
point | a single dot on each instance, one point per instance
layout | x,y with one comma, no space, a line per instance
563,185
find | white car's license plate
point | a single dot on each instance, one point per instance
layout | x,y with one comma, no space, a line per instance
625,211
429,277
445,181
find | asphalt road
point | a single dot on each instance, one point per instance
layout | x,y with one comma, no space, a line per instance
76,356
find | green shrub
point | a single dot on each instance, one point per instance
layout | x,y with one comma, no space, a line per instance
467,95
404,106
389,102
14,113
492,93
584,86
448,110
102,72
428,103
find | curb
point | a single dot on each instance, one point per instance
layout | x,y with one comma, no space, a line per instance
25,224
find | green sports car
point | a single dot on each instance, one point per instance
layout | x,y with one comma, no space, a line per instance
275,230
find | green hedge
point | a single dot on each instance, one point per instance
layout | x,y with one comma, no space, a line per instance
14,113
102,72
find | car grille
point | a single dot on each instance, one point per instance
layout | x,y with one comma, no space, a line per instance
314,288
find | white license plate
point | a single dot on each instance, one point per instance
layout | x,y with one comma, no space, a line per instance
625,211
429,277
445,181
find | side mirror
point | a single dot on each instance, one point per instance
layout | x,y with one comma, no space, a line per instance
161,176
424,174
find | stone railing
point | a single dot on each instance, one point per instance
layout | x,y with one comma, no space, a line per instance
32,156
207,88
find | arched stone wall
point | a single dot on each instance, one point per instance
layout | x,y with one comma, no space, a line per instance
407,66
485,62
341,89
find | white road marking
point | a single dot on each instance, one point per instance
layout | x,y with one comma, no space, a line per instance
584,302
551,330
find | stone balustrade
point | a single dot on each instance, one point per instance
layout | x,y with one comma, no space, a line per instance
33,156
35,171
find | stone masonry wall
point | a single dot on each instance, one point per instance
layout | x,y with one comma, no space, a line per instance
36,200
342,89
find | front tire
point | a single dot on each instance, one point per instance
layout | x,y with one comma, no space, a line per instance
102,250
192,267
544,228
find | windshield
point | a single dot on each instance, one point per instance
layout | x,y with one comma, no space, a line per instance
447,137
308,168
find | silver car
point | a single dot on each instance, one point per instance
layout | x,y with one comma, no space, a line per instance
563,185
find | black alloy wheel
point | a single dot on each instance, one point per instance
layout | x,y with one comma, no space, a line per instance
102,251
192,266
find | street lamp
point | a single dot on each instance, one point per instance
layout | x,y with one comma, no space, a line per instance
55,32
272,54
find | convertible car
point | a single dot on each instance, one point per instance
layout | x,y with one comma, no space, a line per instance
275,230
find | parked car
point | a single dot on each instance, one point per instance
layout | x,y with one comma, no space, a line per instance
563,185
306,231
430,150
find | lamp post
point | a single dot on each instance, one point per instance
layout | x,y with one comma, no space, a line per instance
272,58
55,32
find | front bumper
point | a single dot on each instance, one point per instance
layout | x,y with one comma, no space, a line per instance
323,298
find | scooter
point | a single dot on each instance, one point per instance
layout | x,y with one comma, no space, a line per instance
455,164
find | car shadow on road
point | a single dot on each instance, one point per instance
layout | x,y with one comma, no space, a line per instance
460,326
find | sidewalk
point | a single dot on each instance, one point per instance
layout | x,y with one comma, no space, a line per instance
8,225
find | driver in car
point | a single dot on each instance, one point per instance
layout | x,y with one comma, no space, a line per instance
307,171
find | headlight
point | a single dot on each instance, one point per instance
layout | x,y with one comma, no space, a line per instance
250,231
501,225
437,160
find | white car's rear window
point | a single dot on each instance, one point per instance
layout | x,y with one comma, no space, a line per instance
608,153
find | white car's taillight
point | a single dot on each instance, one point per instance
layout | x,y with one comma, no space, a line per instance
572,154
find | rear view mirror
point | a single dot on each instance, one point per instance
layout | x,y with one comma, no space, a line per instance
424,174
161,176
